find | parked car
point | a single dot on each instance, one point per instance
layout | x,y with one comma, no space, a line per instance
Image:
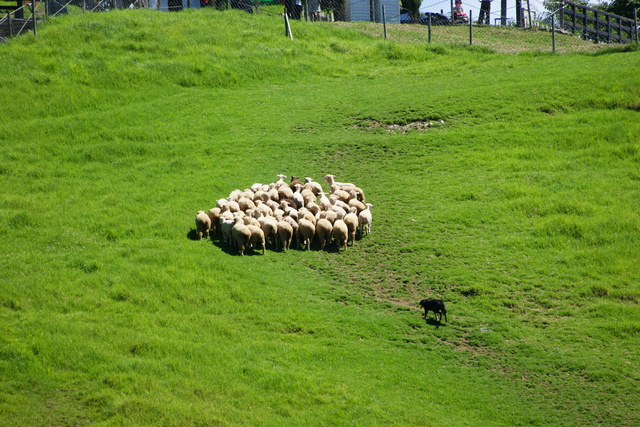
436,19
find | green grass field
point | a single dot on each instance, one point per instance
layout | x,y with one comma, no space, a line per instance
519,206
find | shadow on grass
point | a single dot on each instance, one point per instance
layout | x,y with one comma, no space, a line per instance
192,234
433,322
230,250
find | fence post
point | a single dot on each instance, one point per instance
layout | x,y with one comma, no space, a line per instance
620,31
384,22
287,27
635,22
585,33
470,27
33,16
553,33
429,28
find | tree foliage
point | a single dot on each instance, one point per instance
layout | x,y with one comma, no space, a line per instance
413,7
622,7
554,5
618,7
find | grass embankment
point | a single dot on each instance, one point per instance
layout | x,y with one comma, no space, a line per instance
519,207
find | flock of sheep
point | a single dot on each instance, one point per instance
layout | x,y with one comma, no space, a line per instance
277,214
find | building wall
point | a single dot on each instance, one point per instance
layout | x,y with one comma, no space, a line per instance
360,10
357,10
391,10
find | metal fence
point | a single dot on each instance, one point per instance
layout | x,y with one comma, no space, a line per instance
570,18
595,25
19,19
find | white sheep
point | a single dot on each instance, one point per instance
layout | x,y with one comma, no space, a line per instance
222,203
262,195
278,214
306,214
273,192
285,192
241,235
325,203
306,231
323,230
345,186
285,234
273,204
234,195
249,220
339,193
313,186
335,201
364,220
351,219
354,202
331,215
294,226
233,206
340,234
226,226
245,203
249,194
270,228
214,216
308,196
331,180
297,198
257,238
288,210
203,224
313,208
226,214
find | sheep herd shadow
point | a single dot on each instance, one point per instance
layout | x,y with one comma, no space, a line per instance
230,250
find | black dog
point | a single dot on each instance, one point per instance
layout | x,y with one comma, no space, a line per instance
435,305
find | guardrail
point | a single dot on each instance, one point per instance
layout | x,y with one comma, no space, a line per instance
597,25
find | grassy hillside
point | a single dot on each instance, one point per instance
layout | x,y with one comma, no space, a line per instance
518,205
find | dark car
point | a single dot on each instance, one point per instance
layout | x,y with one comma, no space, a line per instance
436,19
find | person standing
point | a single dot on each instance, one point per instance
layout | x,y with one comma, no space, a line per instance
485,11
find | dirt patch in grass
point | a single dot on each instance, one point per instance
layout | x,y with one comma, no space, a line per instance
397,128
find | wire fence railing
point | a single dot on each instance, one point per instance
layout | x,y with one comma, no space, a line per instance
28,14
19,20
569,18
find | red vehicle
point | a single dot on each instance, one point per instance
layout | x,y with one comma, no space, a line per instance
459,16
